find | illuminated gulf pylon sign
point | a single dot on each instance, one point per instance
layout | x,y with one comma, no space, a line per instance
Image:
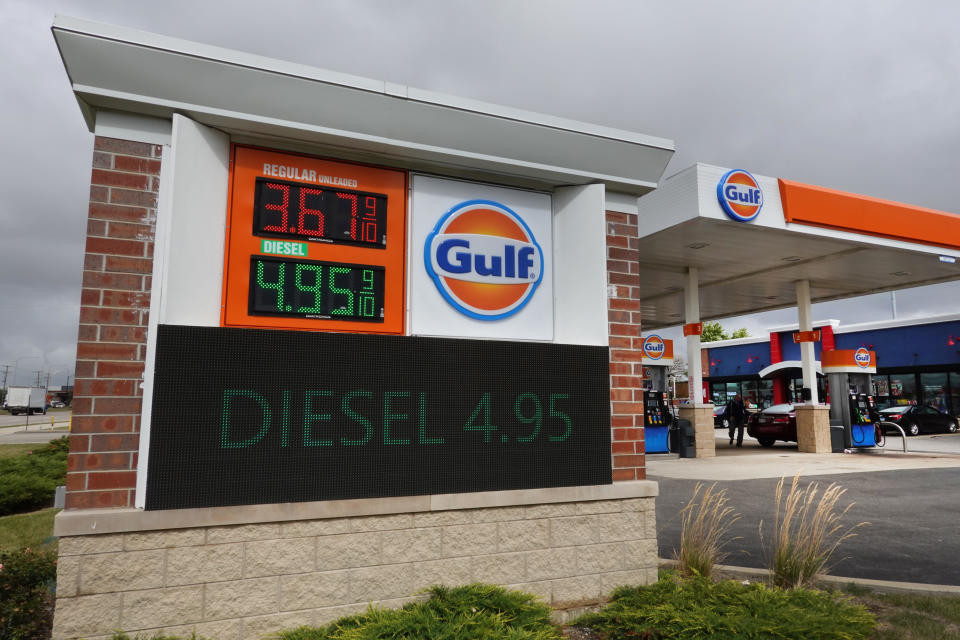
862,357
653,347
740,195
484,259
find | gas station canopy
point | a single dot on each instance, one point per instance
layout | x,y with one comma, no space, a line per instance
844,244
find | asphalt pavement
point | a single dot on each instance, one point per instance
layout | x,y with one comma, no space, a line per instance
912,502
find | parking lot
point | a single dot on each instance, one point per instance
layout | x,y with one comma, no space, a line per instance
910,501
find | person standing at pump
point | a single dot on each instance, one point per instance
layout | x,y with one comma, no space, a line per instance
735,413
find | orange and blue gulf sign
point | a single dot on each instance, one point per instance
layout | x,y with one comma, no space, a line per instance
740,195
484,259
860,360
657,351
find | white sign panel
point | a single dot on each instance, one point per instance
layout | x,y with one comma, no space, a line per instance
481,261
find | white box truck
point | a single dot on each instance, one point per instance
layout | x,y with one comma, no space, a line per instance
26,399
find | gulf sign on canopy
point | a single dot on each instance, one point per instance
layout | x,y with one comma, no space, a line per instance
657,351
860,360
482,259
740,195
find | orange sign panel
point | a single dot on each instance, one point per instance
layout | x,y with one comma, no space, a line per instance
314,244
693,329
851,360
807,336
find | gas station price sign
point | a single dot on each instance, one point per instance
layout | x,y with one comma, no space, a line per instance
310,289
314,213
314,244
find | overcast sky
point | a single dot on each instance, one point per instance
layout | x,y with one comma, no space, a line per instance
857,96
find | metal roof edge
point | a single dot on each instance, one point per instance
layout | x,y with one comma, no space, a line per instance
893,323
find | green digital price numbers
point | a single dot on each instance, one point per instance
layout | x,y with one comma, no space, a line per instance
535,416
314,289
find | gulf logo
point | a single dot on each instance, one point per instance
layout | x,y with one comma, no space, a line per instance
862,357
484,259
740,195
653,347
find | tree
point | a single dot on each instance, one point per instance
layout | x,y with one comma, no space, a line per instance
713,331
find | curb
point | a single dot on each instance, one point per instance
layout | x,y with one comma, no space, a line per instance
883,586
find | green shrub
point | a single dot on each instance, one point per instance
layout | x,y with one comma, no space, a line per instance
472,612
28,482
705,521
696,607
27,582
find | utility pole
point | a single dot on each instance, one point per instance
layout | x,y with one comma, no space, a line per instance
48,380
38,379
6,368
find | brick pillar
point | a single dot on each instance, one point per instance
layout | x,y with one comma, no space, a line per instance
111,346
626,348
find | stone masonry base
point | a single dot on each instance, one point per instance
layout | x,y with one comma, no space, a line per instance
701,417
813,428
247,580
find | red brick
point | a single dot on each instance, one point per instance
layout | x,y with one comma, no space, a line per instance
127,147
116,406
92,262
98,499
633,243
635,317
132,299
140,165
130,265
90,297
131,197
114,442
88,332
128,282
112,246
627,255
119,369
101,387
632,382
131,230
625,355
98,461
615,342
625,229
80,407
79,444
615,303
102,160
622,475
99,194
619,317
622,278
621,462
623,408
626,434
118,213
118,179
622,242
621,368
110,333
84,368
623,447
616,216
76,481
617,329
112,480
641,475
105,315
620,266
621,394
101,424
621,421
96,228
106,351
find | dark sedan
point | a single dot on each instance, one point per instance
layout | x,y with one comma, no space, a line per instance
915,419
778,422
720,420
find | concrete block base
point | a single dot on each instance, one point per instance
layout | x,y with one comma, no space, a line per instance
245,580
701,417
813,428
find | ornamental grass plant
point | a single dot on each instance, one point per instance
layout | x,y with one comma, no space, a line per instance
705,522
807,530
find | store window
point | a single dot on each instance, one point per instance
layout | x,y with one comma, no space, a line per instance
954,394
766,393
718,393
750,393
903,388
934,387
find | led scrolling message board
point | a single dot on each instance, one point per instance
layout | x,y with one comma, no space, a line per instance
314,244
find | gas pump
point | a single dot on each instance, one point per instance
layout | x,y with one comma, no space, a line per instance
658,416
850,373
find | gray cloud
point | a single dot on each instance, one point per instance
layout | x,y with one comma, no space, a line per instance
859,96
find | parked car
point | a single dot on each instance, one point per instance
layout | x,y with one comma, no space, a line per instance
778,422
915,419
57,404
720,421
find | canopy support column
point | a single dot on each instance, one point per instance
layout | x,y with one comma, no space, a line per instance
808,357
813,420
699,414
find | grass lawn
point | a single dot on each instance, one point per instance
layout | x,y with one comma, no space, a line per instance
27,530
17,449
908,616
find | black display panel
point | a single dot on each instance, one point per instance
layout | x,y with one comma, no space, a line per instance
247,416
315,289
322,214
